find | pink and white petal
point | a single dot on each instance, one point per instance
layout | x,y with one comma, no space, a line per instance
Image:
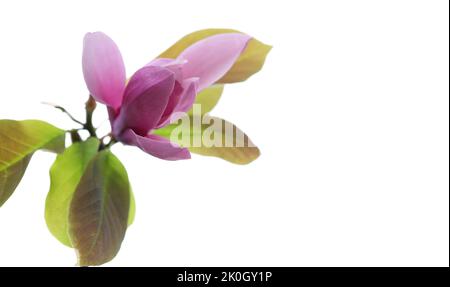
103,69
155,145
146,97
211,58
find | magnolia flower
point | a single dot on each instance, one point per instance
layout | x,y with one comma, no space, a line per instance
158,91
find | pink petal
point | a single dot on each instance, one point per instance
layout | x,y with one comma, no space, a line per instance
210,58
146,97
184,102
173,65
175,98
155,145
190,87
103,69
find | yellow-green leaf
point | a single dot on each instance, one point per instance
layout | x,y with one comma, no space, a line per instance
208,98
250,61
10,178
18,141
65,174
211,136
190,39
98,214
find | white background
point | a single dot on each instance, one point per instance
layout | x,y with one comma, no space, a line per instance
351,112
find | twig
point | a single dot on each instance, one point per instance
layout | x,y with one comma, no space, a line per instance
64,111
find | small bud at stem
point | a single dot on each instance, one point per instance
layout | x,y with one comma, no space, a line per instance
90,107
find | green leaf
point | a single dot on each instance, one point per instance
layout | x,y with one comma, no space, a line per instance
132,212
98,214
211,136
250,61
18,141
208,98
65,174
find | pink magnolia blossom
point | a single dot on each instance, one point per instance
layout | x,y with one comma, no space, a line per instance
158,90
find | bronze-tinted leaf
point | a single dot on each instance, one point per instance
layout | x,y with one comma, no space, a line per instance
18,141
99,210
211,136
